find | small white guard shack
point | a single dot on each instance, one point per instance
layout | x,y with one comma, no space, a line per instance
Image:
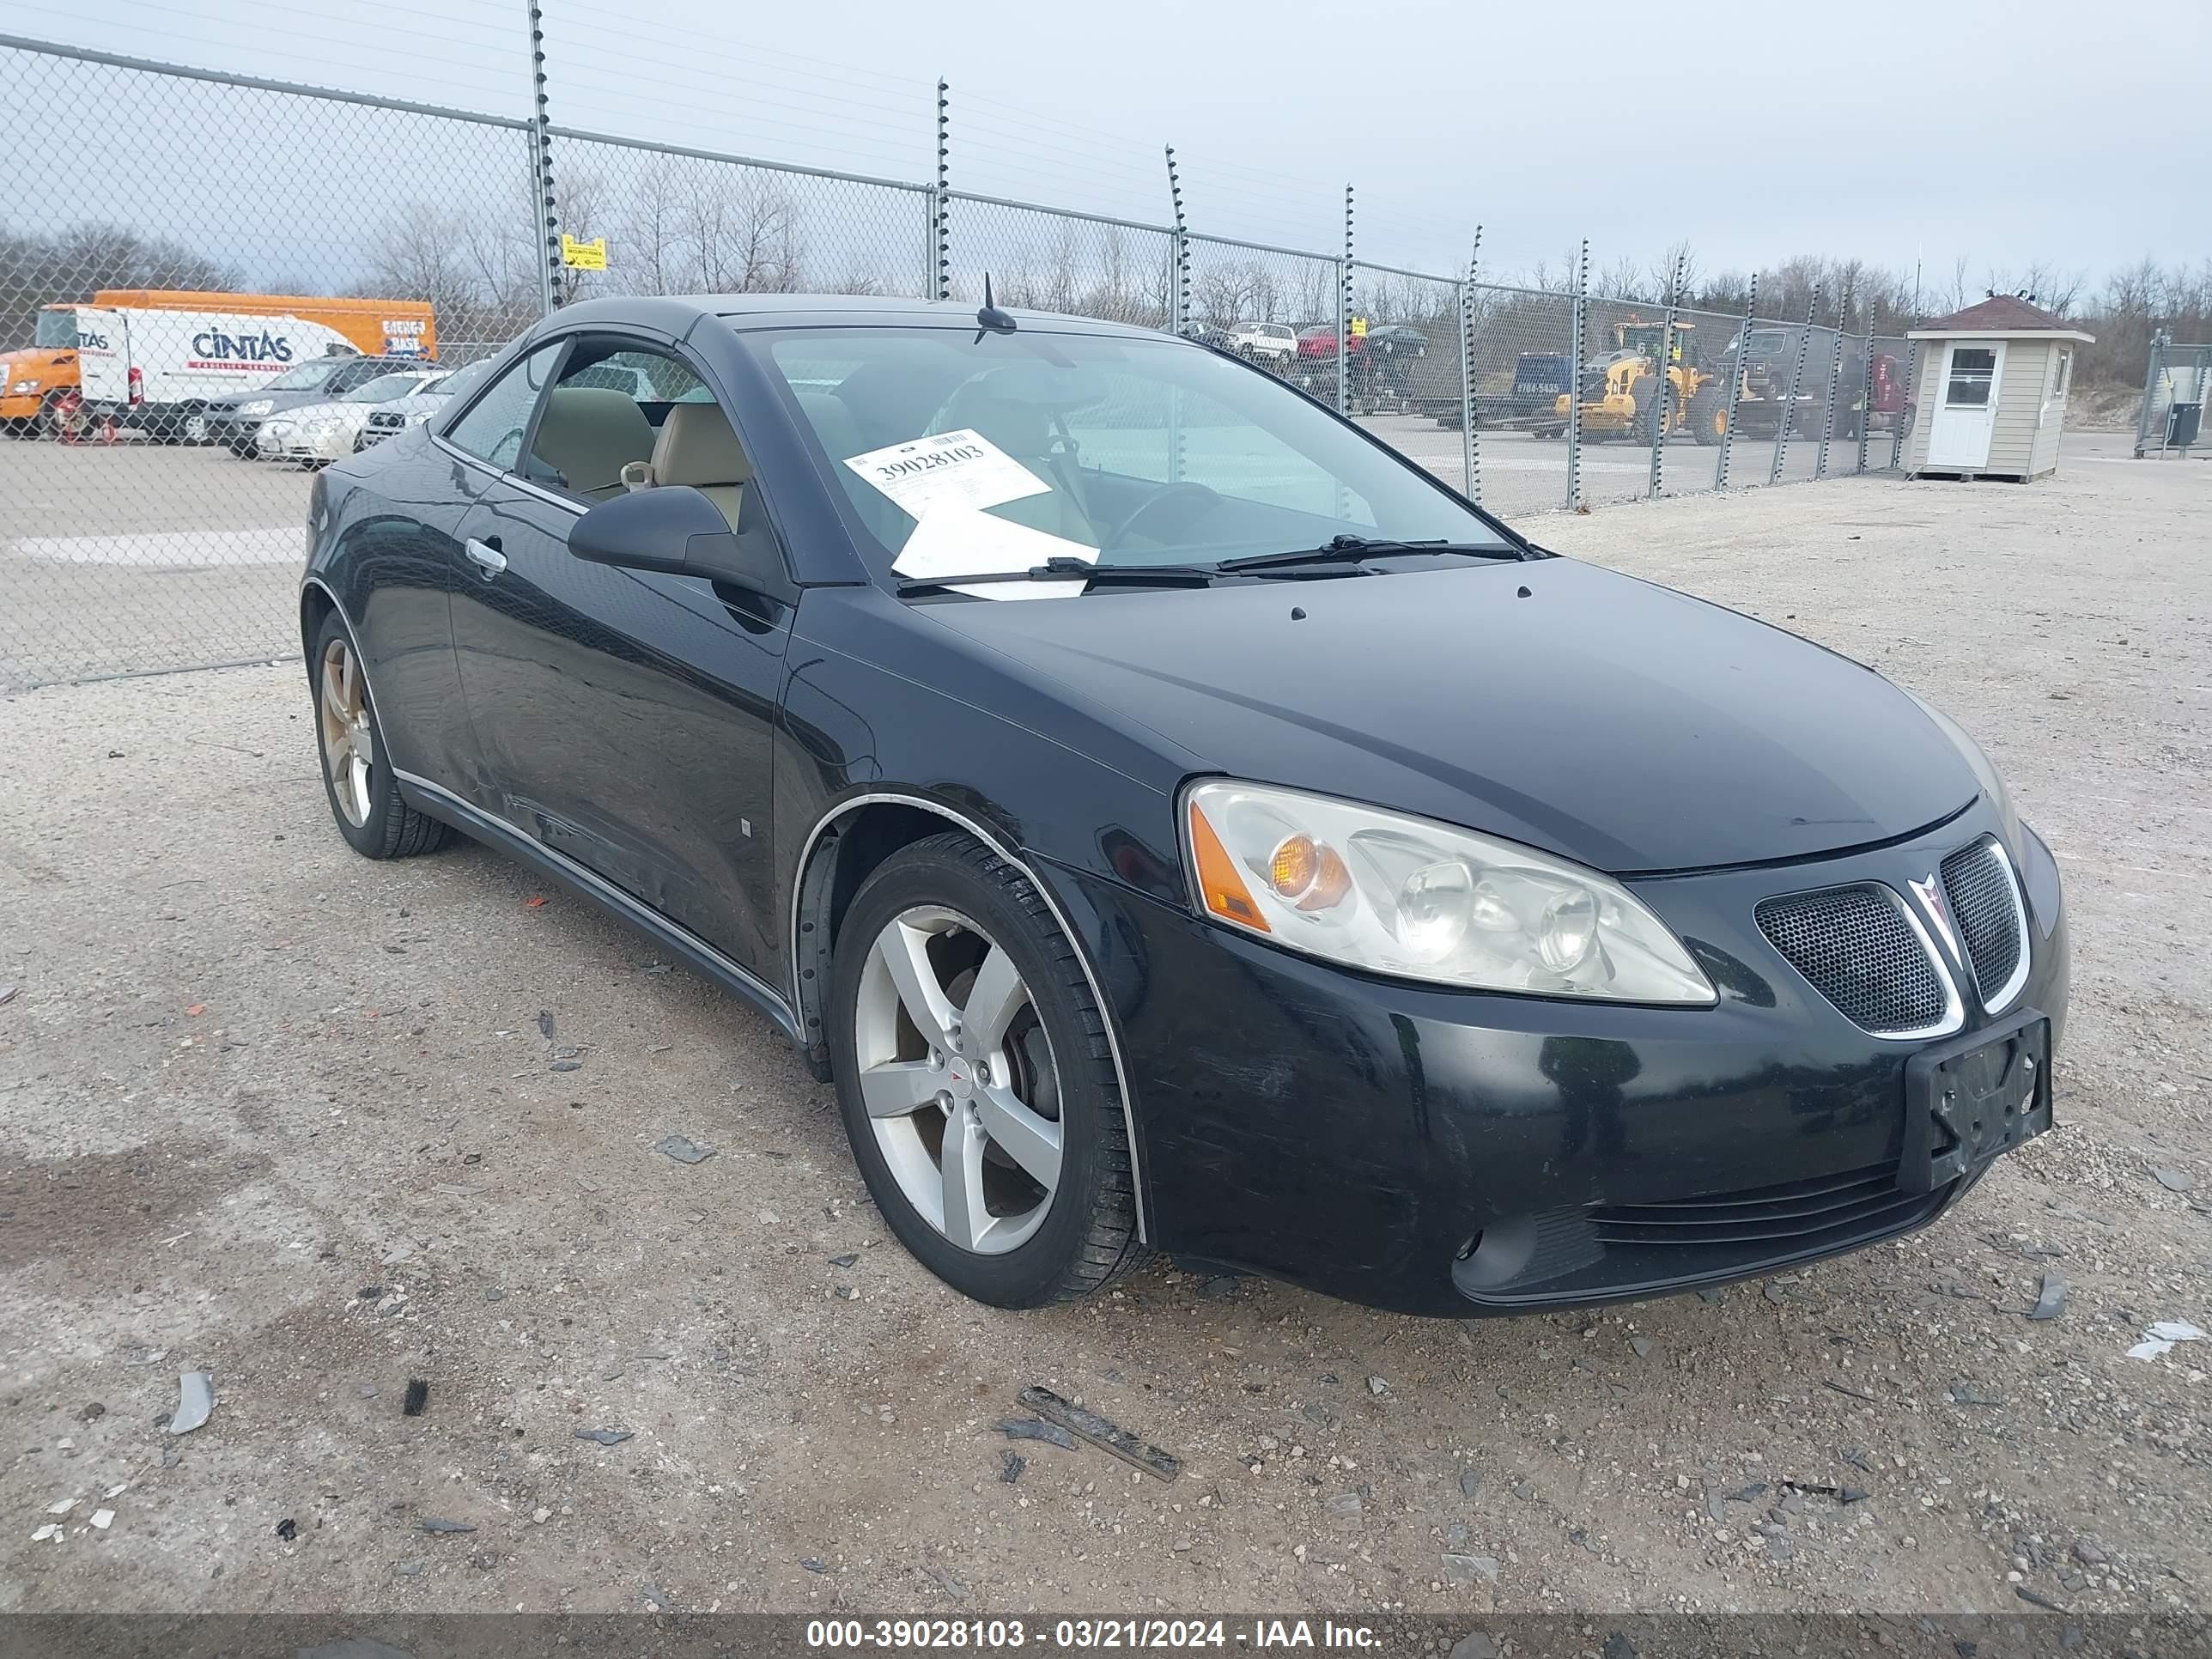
1992,392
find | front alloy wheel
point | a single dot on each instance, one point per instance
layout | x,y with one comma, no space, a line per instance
975,1079
348,743
959,1079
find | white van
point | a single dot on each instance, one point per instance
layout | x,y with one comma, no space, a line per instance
154,369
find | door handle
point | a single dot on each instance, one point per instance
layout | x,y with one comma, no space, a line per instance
486,556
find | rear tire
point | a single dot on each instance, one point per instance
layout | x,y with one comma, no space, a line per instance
363,794
918,1090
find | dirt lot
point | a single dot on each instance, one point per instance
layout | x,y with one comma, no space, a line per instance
274,1113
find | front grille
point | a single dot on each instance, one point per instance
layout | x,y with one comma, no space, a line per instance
1799,1215
1855,948
1977,882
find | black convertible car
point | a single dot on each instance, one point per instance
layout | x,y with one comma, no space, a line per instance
1175,820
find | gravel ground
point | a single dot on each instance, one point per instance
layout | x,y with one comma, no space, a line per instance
273,1113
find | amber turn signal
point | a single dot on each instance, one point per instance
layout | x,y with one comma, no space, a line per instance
1218,884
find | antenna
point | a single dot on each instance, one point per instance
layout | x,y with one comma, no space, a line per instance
989,320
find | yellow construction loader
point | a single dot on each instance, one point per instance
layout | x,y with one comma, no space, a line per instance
1622,392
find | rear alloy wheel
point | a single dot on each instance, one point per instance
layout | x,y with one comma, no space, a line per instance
976,1082
363,794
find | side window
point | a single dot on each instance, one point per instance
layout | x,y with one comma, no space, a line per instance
2058,379
493,428
630,417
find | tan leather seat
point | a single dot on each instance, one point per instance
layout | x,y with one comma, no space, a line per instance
696,446
588,433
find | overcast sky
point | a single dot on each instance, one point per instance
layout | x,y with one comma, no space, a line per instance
2081,136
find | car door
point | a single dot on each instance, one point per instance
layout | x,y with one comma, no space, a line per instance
624,717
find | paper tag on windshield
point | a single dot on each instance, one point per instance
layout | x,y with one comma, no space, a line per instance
961,469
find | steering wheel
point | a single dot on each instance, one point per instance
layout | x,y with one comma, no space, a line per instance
1194,498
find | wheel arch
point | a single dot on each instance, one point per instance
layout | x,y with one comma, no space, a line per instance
849,841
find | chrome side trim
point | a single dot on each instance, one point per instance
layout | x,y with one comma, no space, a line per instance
1082,956
511,480
1996,1002
613,898
1954,1006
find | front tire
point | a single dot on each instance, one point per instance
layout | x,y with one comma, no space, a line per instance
363,794
976,1083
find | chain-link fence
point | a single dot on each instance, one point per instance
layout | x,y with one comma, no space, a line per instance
188,340
2174,388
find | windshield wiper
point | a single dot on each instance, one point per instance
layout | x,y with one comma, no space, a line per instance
1350,550
1061,568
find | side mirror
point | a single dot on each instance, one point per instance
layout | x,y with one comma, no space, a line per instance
677,531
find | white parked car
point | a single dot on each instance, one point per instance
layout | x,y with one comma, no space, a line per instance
1273,342
315,435
391,419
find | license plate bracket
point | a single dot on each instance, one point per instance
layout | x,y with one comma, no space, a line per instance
1968,1100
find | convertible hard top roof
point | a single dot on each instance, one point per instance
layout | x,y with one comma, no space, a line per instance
676,313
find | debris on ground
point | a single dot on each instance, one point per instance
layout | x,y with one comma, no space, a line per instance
195,1402
1102,1434
103,1519
439,1524
1470,1484
2051,1299
61,1507
1377,1387
1964,1392
1030,1428
685,1152
2161,1338
7,995
545,1024
1641,1345
573,1065
1010,1470
815,1564
2172,1179
417,1398
288,1530
1465,1569
606,1436
844,1261
49,1530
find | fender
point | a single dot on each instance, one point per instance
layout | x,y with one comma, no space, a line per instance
1005,850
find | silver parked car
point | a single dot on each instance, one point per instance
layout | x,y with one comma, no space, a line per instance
315,435
390,420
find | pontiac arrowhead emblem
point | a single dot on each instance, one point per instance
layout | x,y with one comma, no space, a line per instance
1930,896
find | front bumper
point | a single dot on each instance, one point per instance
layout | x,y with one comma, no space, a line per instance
1361,1136
279,440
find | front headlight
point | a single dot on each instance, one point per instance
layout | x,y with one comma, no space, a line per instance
1421,900
322,426
259,406
23,387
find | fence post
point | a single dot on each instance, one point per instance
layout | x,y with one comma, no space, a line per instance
943,282
1735,381
1470,453
1835,380
1666,380
1344,315
541,170
1911,412
1179,297
2150,385
1866,394
1796,381
1575,381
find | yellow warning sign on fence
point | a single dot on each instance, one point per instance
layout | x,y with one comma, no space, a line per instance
584,256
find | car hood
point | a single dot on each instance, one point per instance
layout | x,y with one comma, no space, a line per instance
298,413
1556,703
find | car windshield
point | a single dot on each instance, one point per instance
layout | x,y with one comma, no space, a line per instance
1122,451
305,377
57,328
384,387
